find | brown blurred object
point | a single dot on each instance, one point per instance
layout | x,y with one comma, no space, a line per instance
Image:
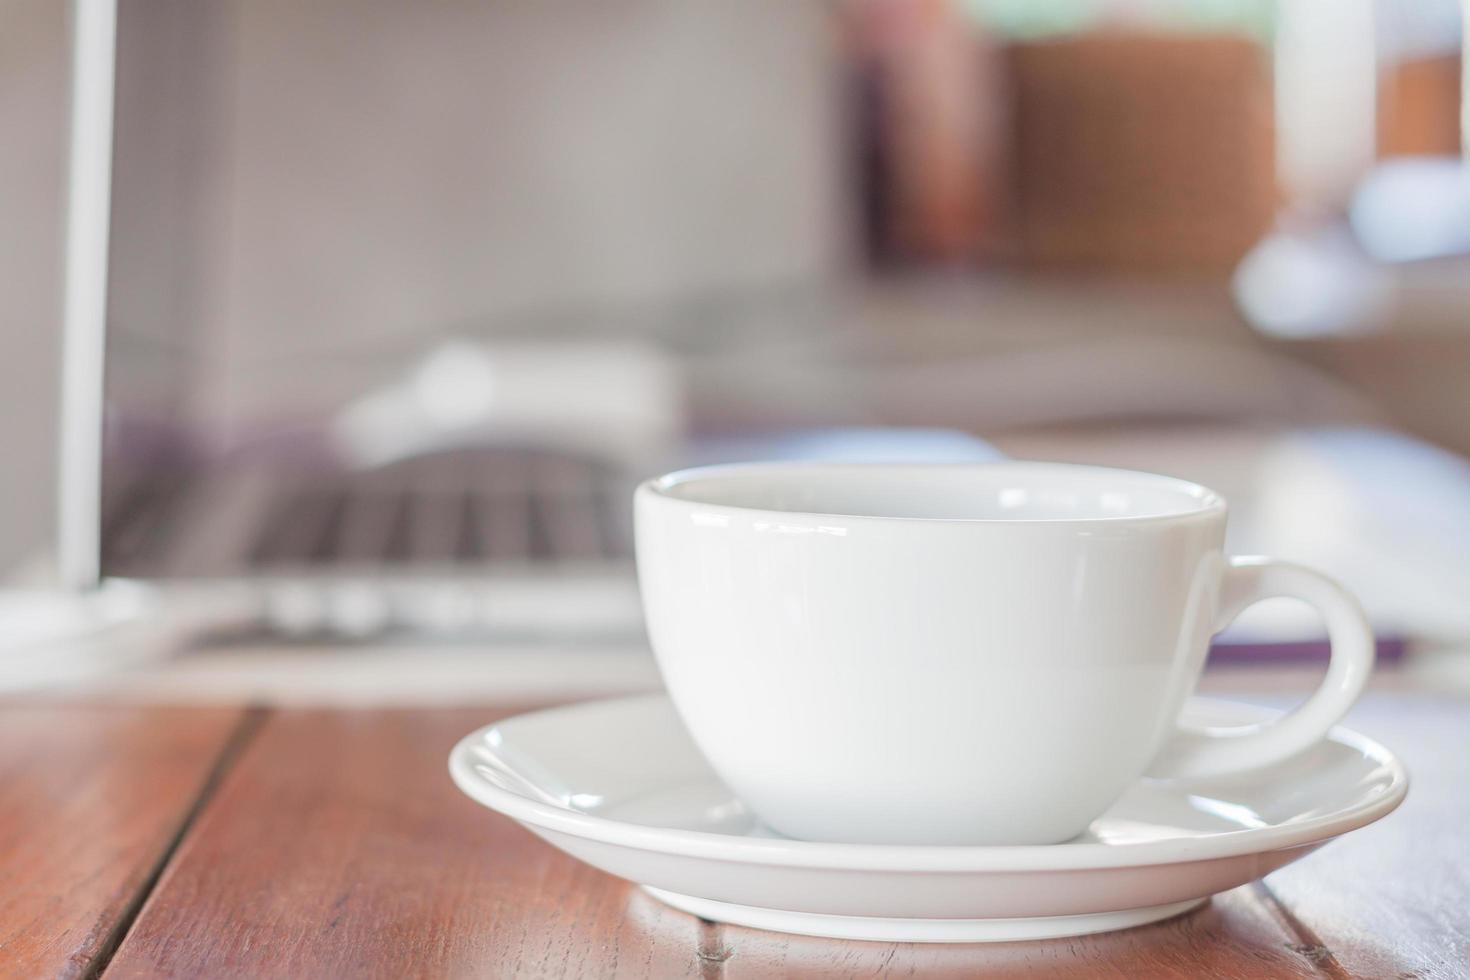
1419,108
933,117
1142,153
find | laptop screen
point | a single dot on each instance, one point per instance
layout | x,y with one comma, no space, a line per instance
316,209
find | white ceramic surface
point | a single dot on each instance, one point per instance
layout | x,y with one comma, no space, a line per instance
956,654
620,785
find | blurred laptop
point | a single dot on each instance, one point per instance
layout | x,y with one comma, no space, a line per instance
391,301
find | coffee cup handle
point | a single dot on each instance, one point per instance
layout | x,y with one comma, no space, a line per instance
1196,751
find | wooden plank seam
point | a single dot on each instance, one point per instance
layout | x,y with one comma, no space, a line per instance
245,731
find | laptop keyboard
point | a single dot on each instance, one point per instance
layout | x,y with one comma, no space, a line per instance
466,510
522,506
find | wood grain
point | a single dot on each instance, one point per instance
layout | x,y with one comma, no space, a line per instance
339,847
1393,900
91,801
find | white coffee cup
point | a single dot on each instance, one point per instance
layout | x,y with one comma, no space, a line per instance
957,654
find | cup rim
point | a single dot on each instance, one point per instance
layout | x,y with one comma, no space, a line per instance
1210,503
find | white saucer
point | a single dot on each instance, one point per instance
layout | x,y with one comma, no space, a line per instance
619,784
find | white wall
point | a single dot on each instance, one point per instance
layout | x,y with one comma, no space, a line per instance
33,71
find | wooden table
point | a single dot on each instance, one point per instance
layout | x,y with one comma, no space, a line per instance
232,842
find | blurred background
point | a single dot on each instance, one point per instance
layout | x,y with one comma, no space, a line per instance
402,298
